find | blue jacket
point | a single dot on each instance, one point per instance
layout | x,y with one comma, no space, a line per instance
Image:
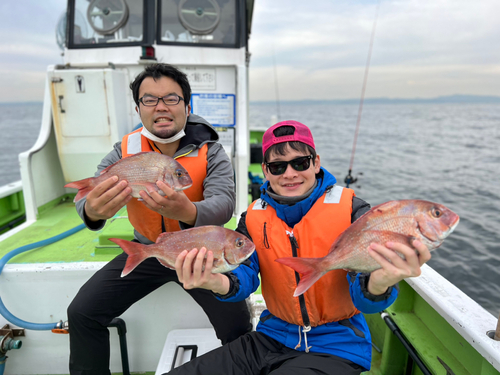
350,338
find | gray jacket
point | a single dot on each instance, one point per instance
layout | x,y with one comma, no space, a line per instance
218,204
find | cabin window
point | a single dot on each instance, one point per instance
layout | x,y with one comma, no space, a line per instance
107,23
198,22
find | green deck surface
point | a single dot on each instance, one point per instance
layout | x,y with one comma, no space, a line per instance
79,247
12,211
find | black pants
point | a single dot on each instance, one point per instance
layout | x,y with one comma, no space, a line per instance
107,295
257,354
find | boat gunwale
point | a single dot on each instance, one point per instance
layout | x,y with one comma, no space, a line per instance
465,315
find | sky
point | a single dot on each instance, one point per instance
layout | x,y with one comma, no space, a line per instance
309,49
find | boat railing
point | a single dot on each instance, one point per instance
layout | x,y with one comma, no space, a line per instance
466,316
11,188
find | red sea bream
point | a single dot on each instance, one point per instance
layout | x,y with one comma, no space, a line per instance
230,248
141,171
399,221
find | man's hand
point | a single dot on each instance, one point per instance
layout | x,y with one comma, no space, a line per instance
106,199
194,270
394,268
174,205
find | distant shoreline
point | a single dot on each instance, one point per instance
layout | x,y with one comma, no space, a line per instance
451,99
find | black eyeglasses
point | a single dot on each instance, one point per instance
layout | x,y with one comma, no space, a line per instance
300,164
152,101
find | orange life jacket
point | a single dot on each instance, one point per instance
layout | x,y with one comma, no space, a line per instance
328,299
147,222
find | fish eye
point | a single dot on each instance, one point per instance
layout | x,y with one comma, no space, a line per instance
178,173
436,212
239,242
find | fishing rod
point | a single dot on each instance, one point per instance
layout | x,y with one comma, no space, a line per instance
349,179
276,88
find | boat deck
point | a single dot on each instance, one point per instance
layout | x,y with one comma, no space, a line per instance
83,246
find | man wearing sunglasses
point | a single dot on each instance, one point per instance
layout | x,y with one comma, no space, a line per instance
300,213
162,95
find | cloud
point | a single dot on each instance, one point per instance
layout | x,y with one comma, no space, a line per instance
392,81
320,48
421,48
28,46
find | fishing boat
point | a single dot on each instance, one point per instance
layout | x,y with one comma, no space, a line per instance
47,254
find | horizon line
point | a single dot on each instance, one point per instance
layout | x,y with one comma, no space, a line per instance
457,98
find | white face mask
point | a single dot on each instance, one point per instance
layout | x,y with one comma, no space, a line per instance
145,132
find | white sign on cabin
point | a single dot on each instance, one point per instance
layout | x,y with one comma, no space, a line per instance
226,139
201,78
217,109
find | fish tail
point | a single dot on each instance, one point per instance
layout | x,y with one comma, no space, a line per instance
84,187
310,271
136,254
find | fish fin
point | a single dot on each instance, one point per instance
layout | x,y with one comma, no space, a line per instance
165,264
136,254
84,187
308,268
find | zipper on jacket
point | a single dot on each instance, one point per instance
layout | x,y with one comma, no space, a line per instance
266,241
302,301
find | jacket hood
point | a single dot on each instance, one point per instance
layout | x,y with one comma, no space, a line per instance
198,130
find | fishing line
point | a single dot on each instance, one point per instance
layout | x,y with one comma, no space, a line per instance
349,179
276,89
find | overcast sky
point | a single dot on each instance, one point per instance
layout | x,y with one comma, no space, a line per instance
423,48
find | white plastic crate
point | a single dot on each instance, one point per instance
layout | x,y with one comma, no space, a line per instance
184,344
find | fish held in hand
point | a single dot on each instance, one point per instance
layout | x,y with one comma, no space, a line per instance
400,221
230,248
141,171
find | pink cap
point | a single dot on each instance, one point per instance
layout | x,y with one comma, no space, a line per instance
301,134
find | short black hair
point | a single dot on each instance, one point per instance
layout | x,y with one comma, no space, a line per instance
156,71
280,148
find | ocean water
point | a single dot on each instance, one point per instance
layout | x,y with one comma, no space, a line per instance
447,153
19,125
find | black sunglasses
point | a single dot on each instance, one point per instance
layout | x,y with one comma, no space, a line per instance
300,164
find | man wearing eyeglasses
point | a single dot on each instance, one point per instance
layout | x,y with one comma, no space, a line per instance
300,213
162,94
